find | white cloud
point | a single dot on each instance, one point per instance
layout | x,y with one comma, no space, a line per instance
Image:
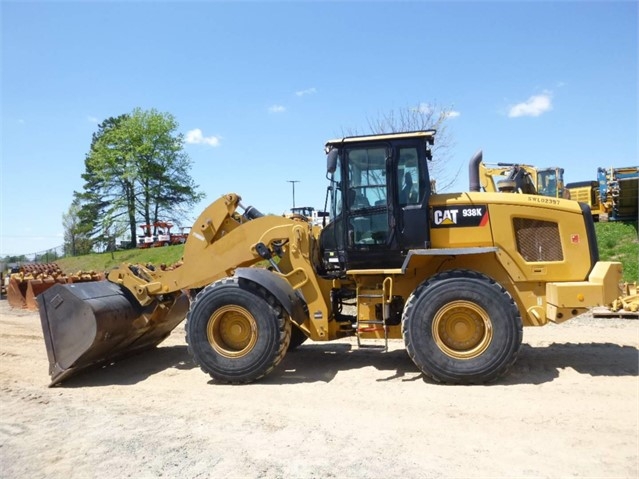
277,109
195,137
426,109
534,106
92,119
308,91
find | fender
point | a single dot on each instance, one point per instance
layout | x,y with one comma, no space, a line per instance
278,287
446,252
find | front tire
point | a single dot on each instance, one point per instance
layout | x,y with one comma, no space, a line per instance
236,332
461,327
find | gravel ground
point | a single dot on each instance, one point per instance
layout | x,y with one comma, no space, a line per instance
568,408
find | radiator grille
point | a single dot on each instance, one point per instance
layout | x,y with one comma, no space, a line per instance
538,240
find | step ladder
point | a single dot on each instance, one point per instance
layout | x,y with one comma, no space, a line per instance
372,297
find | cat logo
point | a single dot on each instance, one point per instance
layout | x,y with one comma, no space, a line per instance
445,217
459,215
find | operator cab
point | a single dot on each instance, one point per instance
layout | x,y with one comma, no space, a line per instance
550,182
378,200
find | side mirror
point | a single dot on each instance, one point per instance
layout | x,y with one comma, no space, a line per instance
331,160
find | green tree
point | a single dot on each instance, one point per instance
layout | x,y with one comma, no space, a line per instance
136,171
76,236
15,259
107,179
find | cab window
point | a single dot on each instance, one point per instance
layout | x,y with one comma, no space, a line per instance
367,177
408,184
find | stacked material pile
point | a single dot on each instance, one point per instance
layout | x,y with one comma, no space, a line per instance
34,278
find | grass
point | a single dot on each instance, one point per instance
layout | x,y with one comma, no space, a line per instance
106,261
617,242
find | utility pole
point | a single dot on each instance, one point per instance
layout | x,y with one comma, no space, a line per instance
292,182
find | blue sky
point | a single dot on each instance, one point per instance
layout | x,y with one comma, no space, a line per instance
257,89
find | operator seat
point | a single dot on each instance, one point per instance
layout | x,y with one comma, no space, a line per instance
356,200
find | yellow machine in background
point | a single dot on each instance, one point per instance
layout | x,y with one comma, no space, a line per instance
455,276
587,192
517,178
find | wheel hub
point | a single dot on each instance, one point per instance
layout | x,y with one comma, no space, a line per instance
232,331
462,330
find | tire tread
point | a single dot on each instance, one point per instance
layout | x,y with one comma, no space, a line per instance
500,291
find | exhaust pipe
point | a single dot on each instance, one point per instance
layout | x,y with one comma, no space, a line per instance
473,171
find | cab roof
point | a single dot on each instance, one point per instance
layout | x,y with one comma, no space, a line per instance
428,135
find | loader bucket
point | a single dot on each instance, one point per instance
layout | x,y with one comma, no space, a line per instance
16,293
35,287
87,324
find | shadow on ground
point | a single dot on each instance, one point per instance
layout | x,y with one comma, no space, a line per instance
133,369
322,362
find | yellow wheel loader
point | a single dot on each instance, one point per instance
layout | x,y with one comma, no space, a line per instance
527,179
456,276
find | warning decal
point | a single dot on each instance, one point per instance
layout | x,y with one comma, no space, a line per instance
459,215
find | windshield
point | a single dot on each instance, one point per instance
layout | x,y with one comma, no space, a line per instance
336,191
366,177
366,182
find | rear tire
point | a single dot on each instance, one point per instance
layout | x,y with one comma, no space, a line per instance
461,327
236,332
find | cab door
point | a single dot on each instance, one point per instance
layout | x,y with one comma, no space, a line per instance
413,191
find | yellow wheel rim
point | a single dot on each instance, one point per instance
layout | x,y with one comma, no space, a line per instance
232,331
462,330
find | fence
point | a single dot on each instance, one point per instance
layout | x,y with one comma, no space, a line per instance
44,256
